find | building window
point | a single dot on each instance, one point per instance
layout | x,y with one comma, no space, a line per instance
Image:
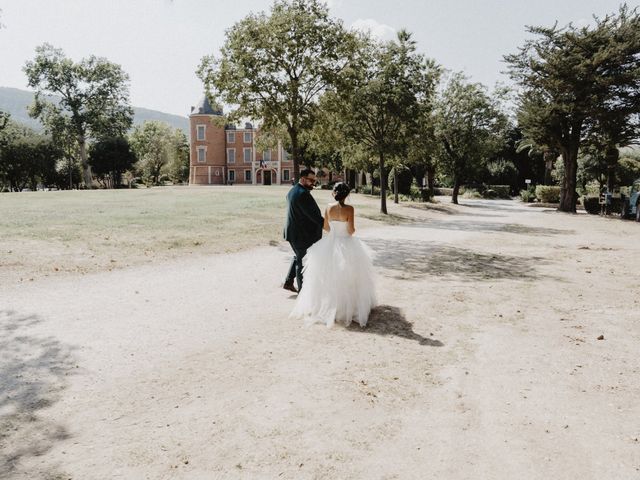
232,175
247,155
247,137
231,155
200,132
231,137
285,175
247,175
266,155
202,154
285,156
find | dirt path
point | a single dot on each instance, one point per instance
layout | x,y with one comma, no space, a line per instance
482,362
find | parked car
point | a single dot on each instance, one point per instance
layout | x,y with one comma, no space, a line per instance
631,203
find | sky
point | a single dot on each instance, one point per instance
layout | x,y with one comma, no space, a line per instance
160,43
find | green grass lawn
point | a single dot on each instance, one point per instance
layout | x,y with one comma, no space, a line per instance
44,233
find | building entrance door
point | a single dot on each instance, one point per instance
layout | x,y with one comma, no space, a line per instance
266,175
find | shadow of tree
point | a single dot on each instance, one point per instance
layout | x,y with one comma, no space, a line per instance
387,320
447,209
393,218
475,226
32,377
496,205
409,260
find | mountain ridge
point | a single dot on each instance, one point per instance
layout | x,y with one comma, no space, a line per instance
15,101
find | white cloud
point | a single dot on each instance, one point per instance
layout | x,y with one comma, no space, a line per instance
333,4
376,29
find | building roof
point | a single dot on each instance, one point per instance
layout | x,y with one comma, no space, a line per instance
204,108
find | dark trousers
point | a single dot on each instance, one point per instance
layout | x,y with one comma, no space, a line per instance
295,271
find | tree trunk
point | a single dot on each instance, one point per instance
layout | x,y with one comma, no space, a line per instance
395,185
456,190
568,187
431,181
86,168
383,186
612,157
295,153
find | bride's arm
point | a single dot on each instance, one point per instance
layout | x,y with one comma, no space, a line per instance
351,227
326,225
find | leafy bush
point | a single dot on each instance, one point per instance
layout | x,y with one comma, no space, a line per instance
591,204
527,196
490,194
501,191
366,189
426,195
443,191
471,193
548,193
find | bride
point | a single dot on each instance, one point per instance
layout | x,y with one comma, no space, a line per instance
338,274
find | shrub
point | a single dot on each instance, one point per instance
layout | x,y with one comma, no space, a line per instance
490,194
591,204
527,196
502,191
548,193
471,193
416,193
443,191
426,195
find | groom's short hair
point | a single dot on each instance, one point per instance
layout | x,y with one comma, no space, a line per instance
306,172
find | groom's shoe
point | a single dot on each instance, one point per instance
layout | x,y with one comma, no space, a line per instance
290,287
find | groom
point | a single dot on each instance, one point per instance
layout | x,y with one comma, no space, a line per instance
304,223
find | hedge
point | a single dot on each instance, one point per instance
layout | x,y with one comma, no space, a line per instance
548,193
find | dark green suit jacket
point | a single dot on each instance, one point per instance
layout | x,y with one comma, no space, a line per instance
304,220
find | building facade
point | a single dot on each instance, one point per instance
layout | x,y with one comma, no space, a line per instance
228,155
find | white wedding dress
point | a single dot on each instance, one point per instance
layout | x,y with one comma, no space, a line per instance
338,284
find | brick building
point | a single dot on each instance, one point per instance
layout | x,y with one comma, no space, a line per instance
227,155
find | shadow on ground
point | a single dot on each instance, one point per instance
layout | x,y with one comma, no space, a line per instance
412,260
386,320
32,378
475,226
447,209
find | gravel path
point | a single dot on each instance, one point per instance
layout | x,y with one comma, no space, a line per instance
483,361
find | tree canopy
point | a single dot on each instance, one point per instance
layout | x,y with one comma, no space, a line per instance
580,84
273,67
383,104
470,128
94,98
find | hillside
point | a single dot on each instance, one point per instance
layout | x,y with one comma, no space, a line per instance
16,101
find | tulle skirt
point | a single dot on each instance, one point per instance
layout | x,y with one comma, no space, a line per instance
338,284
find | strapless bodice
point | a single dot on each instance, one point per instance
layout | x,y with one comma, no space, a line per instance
338,228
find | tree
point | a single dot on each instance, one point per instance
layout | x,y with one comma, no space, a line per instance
422,148
178,167
470,128
579,82
629,168
151,143
4,120
94,98
274,67
27,159
383,101
110,158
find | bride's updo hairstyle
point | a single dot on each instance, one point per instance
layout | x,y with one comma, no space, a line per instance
341,192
